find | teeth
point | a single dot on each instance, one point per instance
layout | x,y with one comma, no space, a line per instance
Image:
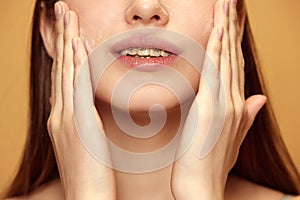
145,52
124,52
132,51
155,52
163,53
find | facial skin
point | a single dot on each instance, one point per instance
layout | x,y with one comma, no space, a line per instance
102,19
99,20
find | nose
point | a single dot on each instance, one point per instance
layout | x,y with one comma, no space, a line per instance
146,12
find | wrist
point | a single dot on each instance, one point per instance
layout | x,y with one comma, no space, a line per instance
90,195
81,190
205,194
200,194
199,190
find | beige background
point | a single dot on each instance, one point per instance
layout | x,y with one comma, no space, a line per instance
276,26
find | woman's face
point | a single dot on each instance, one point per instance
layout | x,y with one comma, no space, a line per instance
101,19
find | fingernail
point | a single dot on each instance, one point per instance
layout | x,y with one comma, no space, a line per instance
57,10
220,33
67,18
226,7
234,2
74,44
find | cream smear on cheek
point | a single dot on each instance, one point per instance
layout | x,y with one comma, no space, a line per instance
202,19
92,31
89,43
209,24
198,14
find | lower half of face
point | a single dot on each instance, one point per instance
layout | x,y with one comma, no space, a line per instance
125,82
139,89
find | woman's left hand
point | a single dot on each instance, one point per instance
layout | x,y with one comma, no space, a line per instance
205,178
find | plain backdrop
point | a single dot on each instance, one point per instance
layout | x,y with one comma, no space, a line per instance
276,27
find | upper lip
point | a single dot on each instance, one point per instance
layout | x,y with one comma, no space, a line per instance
145,41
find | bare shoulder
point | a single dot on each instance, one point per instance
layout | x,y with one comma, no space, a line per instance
49,191
238,188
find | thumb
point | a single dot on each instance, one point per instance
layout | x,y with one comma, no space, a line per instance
254,105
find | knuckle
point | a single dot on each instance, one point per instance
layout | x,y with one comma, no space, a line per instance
216,50
78,62
245,111
58,61
233,50
239,110
226,59
234,18
53,124
54,119
49,125
213,55
59,30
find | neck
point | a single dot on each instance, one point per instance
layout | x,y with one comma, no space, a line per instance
154,185
136,185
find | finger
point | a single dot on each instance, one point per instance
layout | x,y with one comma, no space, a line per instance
212,61
242,71
218,13
84,99
71,31
82,80
80,55
253,105
241,58
225,65
56,73
234,56
239,52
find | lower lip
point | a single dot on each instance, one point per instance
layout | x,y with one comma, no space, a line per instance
147,64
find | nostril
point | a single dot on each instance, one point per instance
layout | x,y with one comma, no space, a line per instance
135,17
156,17
146,12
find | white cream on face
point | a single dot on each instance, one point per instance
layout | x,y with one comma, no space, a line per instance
90,43
209,24
198,13
98,23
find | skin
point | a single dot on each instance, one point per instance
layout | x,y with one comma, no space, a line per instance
189,177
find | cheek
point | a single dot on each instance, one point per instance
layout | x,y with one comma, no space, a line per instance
100,19
193,18
96,19
197,22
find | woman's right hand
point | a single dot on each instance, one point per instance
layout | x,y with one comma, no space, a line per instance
82,176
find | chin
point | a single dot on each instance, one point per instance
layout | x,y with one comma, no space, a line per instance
142,100
152,96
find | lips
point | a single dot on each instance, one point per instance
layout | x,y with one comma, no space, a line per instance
145,52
